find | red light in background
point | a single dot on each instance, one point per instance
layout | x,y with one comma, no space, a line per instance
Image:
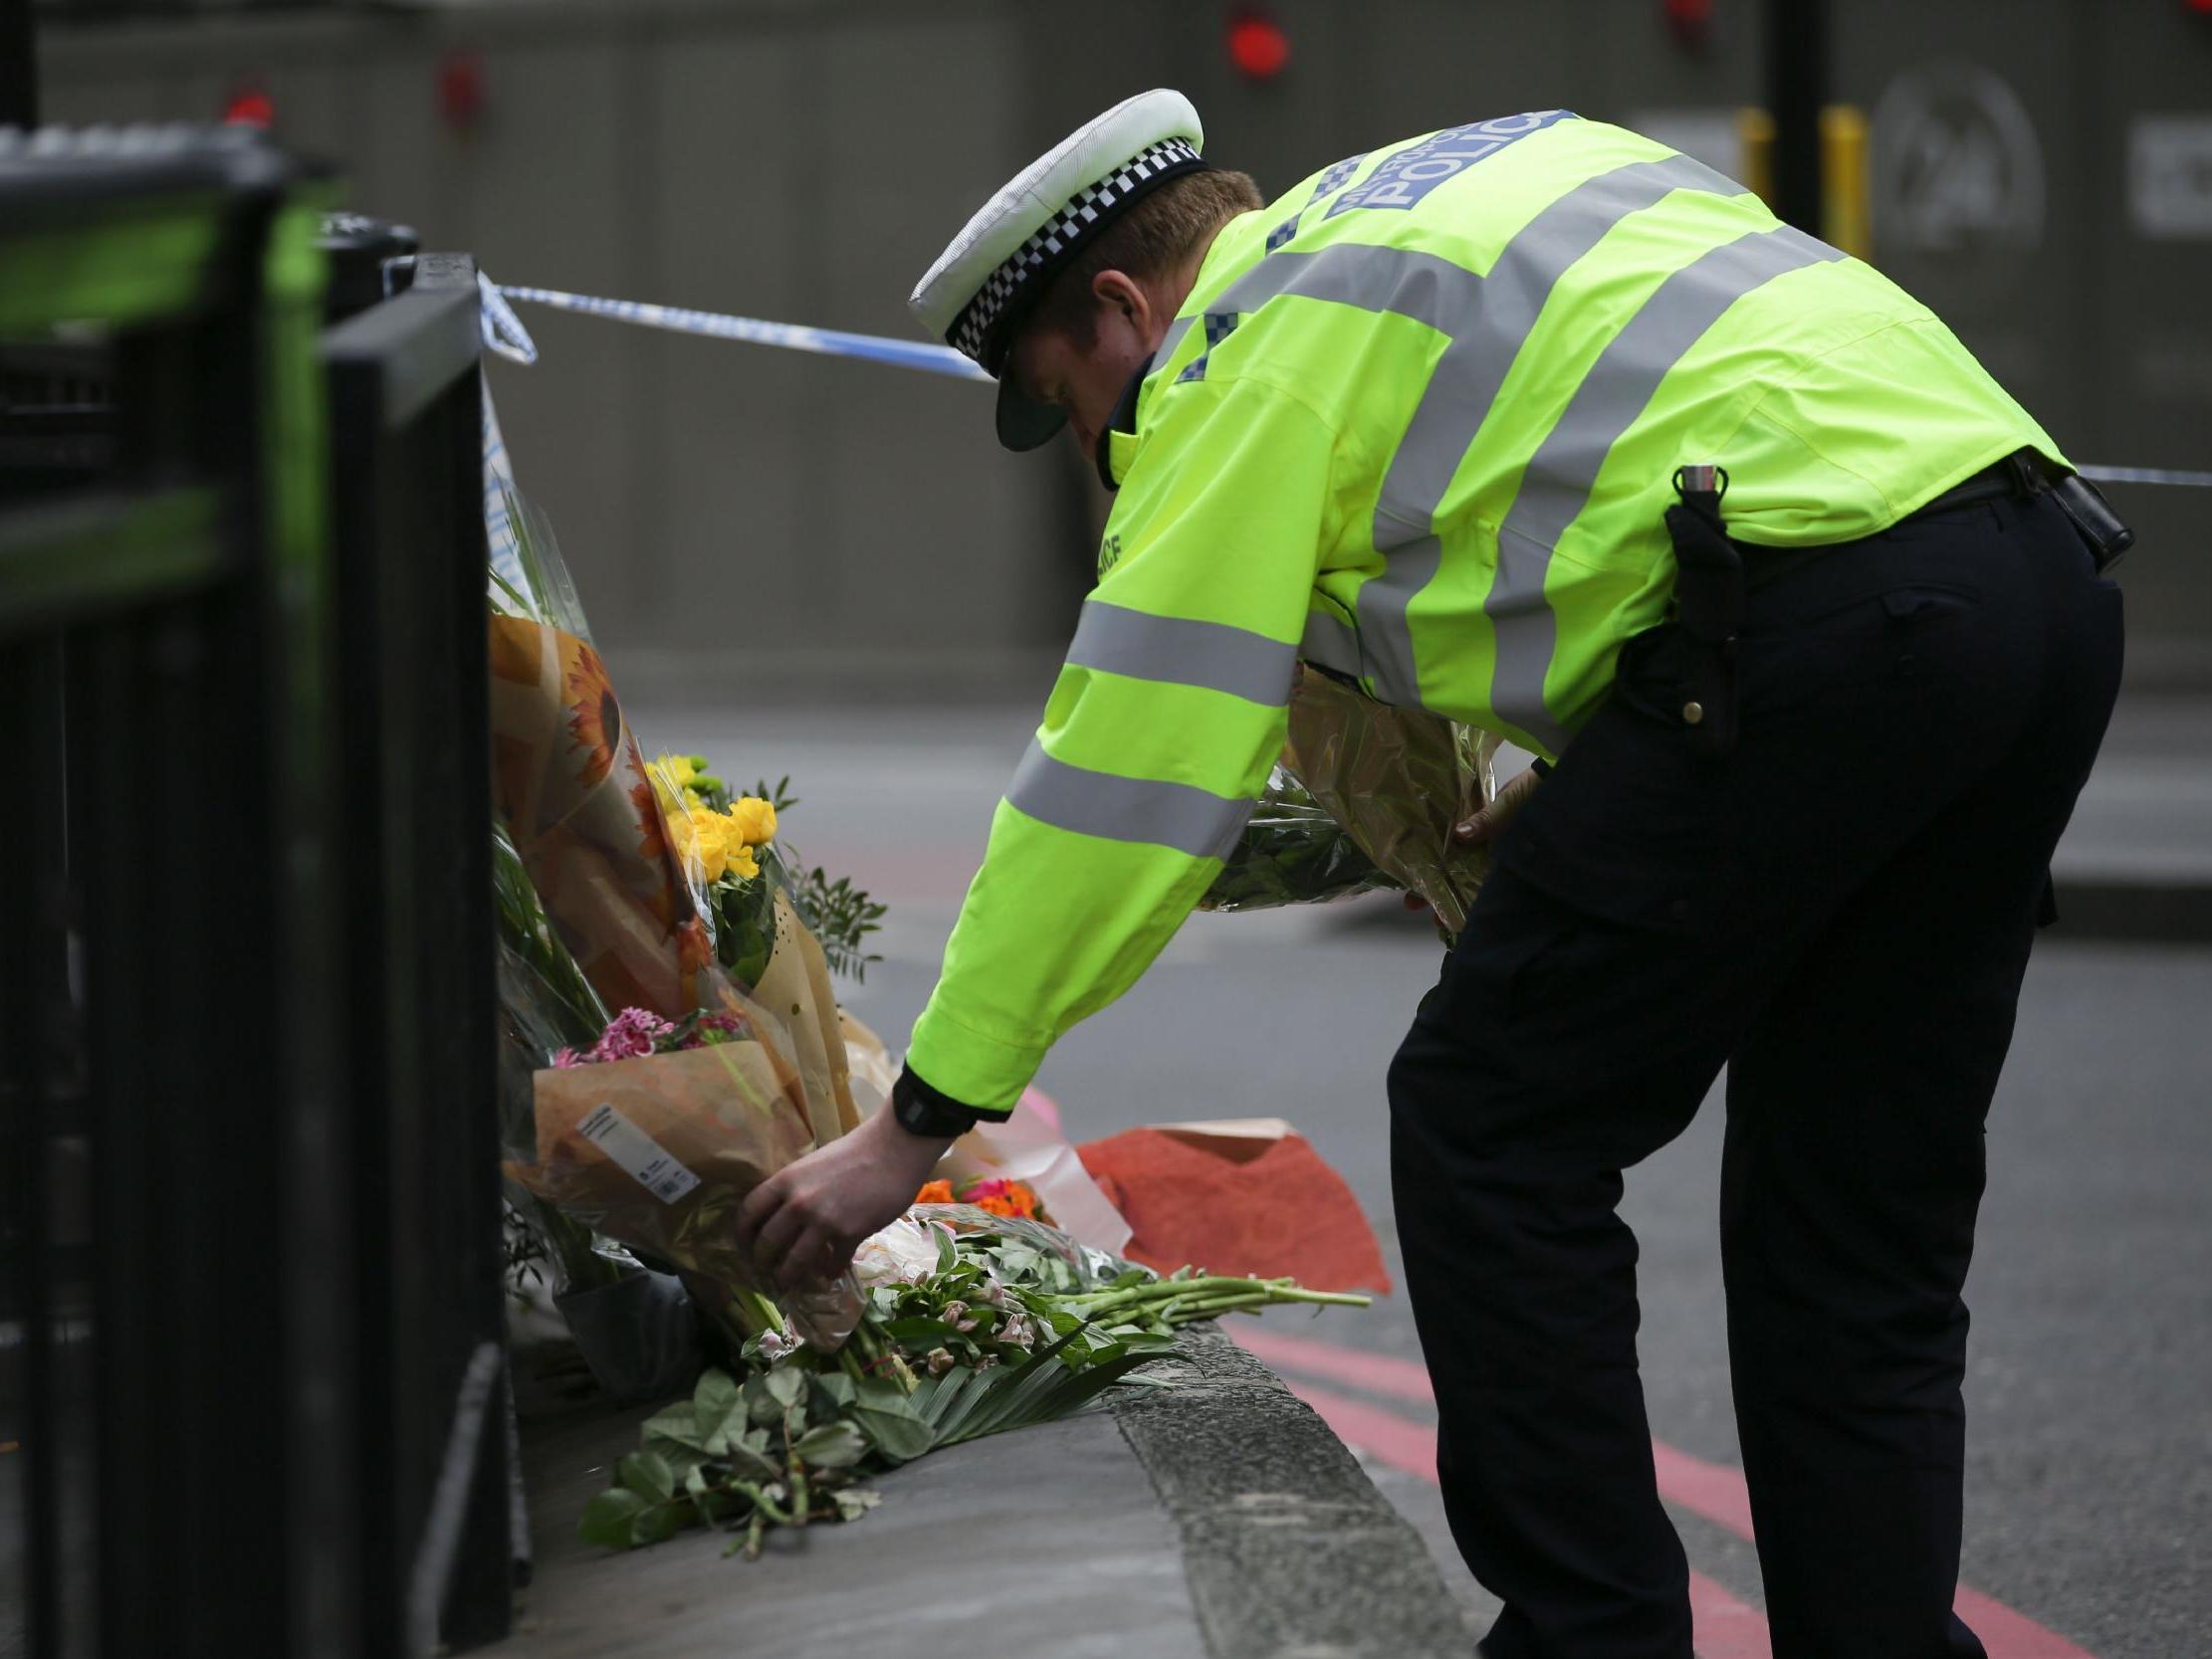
2203,8
462,94
1690,22
250,106
1257,45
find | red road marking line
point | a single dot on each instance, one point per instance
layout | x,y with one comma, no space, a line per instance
1403,1380
1711,1490
1723,1626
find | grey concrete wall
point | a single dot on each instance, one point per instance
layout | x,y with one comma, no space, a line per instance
852,526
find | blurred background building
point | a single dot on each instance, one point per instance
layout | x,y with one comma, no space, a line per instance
2040,172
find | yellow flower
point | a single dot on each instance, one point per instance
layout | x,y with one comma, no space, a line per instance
754,820
742,862
704,839
672,775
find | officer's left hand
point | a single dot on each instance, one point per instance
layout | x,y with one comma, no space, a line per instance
804,1223
1485,824
1503,810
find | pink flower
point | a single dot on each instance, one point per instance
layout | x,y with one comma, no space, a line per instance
567,1058
631,1033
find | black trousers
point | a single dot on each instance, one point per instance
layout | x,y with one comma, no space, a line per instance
1839,912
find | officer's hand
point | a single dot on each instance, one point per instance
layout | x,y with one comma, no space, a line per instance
804,1223
1486,823
1503,810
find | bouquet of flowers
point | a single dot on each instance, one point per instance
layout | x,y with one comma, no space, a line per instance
647,888
1366,795
973,1324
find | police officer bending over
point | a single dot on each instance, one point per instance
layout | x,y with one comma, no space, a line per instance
1544,427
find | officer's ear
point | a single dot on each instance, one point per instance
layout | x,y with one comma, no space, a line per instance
1119,292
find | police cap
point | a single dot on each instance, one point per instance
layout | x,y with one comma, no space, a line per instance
1007,254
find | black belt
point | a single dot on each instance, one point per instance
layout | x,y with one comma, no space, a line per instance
2020,473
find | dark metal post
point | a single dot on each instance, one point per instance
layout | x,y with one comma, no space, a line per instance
1797,88
18,65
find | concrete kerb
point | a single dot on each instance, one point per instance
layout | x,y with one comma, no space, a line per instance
1291,1552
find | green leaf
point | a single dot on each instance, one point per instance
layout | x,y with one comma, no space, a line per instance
762,1407
786,1384
657,1524
894,1427
647,1476
715,1397
678,1425
832,1446
751,1462
839,1386
925,1389
682,1461
955,1401
606,1519
718,1411
921,1332
947,1256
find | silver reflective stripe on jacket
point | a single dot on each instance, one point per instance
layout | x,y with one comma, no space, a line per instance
1486,318
1116,809
1564,470
1178,651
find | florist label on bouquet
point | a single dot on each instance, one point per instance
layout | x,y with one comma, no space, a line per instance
645,1160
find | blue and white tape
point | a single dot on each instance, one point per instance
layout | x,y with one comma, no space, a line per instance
827,342
2148,475
504,333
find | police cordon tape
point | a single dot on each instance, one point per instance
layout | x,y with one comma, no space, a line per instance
792,336
504,333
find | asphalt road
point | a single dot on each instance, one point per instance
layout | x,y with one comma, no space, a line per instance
2089,1497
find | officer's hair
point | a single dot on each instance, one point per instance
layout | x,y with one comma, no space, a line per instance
1150,239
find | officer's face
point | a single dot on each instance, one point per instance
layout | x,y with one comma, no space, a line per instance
1087,380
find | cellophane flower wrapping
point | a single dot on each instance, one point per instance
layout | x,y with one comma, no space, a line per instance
1365,796
1035,1252
600,912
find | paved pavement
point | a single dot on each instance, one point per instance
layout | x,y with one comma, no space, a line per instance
2090,1489
1209,1518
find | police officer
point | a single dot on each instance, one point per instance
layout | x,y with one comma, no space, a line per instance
1544,427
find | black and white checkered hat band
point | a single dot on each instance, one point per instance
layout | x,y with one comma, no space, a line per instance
1060,236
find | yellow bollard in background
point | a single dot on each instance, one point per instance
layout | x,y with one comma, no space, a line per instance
1845,221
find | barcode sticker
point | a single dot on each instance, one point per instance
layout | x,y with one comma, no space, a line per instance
639,1154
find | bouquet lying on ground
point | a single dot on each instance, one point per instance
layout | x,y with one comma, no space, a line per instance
973,1324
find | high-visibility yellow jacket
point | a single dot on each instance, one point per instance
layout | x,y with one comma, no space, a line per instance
1417,422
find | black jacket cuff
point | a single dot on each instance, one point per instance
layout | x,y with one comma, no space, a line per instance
924,1111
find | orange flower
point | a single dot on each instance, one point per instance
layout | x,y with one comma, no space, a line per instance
1000,1196
597,721
652,834
934,1192
694,949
